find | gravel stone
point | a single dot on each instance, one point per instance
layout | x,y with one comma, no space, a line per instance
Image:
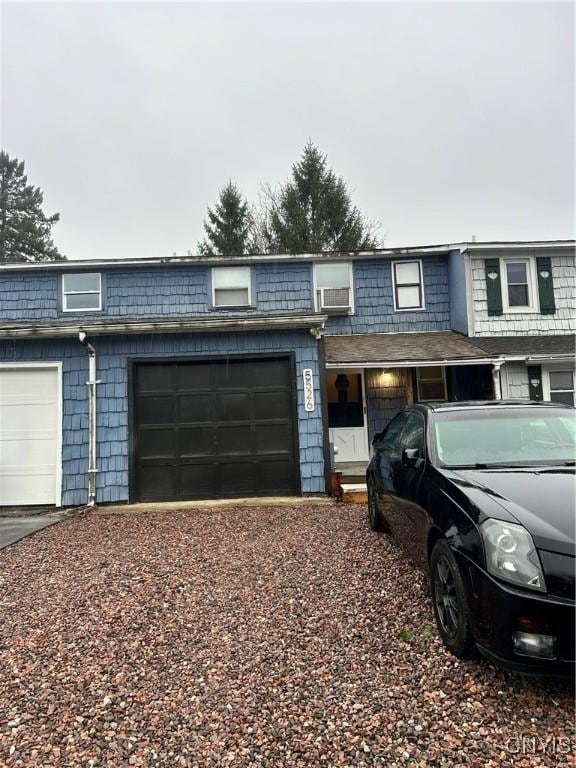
285,637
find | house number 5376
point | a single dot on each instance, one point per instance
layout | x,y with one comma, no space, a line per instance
308,377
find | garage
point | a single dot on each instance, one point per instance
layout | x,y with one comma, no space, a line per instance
29,435
213,429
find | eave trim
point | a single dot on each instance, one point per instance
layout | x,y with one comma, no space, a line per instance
311,322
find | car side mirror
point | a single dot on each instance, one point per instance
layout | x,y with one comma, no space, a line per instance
410,456
377,437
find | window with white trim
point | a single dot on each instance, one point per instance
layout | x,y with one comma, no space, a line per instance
333,282
431,383
518,285
82,292
408,285
231,287
561,386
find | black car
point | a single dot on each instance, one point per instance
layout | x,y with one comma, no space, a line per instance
481,495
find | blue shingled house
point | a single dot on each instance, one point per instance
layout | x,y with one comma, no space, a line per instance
203,377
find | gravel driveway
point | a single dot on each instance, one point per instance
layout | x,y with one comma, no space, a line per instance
253,637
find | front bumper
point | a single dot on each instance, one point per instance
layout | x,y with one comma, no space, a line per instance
497,611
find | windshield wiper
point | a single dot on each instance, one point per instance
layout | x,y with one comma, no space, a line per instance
493,465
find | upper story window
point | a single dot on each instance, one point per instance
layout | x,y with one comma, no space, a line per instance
81,292
333,287
519,284
407,284
231,287
519,290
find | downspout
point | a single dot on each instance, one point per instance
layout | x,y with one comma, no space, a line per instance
91,383
496,379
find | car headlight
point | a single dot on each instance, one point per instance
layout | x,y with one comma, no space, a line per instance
511,554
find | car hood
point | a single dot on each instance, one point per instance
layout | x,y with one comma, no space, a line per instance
541,499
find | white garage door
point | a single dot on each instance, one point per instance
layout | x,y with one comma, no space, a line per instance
29,436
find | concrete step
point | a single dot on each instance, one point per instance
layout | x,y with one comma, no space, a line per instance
355,493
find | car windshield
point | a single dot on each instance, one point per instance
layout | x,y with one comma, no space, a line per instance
505,437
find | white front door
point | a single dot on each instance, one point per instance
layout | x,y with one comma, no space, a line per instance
347,416
29,435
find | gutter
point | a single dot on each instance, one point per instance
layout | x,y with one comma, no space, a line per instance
91,383
311,322
415,363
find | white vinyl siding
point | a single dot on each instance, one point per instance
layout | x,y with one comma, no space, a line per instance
408,285
231,287
82,292
525,322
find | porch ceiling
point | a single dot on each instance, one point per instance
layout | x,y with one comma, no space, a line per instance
399,348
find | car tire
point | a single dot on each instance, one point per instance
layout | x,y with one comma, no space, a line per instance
449,601
374,516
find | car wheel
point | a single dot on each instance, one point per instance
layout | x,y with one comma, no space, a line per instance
374,516
449,600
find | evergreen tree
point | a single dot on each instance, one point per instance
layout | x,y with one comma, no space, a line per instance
228,225
313,211
25,231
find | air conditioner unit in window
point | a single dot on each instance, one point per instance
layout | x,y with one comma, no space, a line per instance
334,299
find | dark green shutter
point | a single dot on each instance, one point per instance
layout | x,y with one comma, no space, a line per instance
545,285
535,382
493,286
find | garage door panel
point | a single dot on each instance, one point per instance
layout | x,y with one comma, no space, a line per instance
157,481
157,409
198,481
27,488
29,436
193,377
233,406
156,443
272,405
229,417
29,452
230,375
25,419
270,375
272,437
237,478
29,383
196,441
276,476
156,378
195,408
234,439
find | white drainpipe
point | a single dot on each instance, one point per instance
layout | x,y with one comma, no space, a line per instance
496,380
91,383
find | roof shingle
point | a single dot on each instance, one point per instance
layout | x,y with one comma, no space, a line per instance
388,348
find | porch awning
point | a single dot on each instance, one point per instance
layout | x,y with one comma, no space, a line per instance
371,350
531,347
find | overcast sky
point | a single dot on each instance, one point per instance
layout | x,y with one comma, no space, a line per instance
447,120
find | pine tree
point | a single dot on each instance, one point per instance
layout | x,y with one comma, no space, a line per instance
25,231
313,211
228,225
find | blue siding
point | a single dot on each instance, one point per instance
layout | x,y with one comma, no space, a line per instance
143,292
112,401
383,401
457,288
374,301
148,292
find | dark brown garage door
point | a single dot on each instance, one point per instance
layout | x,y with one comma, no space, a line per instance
213,429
